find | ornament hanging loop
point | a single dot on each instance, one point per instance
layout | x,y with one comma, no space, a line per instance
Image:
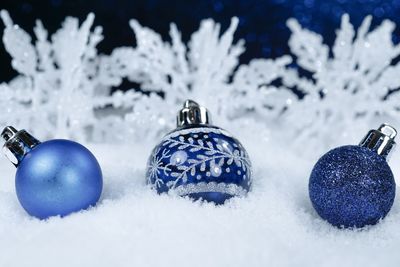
193,114
17,144
381,140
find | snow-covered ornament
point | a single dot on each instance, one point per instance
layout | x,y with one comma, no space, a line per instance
353,186
199,160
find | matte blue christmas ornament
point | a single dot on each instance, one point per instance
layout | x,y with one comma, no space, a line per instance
56,177
199,160
353,186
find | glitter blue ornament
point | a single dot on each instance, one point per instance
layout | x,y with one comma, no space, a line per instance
353,186
56,177
199,160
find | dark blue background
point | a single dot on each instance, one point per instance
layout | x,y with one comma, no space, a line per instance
262,23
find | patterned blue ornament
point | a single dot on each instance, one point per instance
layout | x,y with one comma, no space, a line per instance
353,186
56,177
199,160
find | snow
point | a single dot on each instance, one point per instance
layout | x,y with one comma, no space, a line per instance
274,225
63,89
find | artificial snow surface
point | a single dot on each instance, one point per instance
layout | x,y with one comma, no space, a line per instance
64,87
274,225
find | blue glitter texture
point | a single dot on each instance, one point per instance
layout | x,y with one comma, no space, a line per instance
202,163
58,177
352,186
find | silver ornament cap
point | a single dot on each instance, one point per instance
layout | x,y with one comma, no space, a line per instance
380,140
193,114
17,144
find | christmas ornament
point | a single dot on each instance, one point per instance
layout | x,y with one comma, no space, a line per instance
199,160
56,177
353,186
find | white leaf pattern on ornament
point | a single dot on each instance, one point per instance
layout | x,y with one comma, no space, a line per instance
208,156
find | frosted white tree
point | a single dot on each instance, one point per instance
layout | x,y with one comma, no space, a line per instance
354,83
202,70
66,87
199,71
56,84
357,82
